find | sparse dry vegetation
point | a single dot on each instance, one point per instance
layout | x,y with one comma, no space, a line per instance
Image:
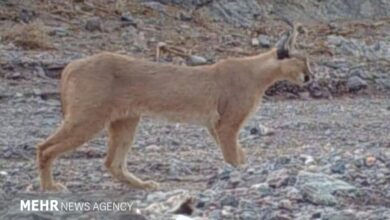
29,36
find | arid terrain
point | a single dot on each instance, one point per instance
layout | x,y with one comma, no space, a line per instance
318,152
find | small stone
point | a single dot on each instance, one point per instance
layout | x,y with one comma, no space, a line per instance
343,215
338,167
27,15
255,42
59,31
184,26
264,41
227,213
93,24
254,131
307,159
215,214
283,160
248,215
370,161
285,204
355,83
195,60
278,178
280,216
316,215
261,130
14,76
263,189
202,201
359,163
152,148
229,200
183,217
128,20
184,16
156,196
7,154
293,194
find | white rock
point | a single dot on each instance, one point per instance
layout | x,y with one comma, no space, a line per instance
183,217
255,42
195,60
307,159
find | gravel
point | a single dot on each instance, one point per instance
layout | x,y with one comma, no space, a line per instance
298,172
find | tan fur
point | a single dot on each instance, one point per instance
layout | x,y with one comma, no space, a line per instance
115,91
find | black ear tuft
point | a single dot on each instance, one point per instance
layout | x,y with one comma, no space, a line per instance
282,53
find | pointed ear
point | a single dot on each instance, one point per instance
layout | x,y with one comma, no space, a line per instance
286,44
282,49
282,53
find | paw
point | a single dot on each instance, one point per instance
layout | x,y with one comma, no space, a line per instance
55,187
151,185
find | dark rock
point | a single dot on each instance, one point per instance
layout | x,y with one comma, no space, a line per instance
93,24
254,131
183,16
338,167
261,130
264,41
203,201
316,215
230,200
14,76
186,207
128,20
359,163
355,83
27,15
283,160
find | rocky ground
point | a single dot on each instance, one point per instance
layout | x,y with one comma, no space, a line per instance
320,152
